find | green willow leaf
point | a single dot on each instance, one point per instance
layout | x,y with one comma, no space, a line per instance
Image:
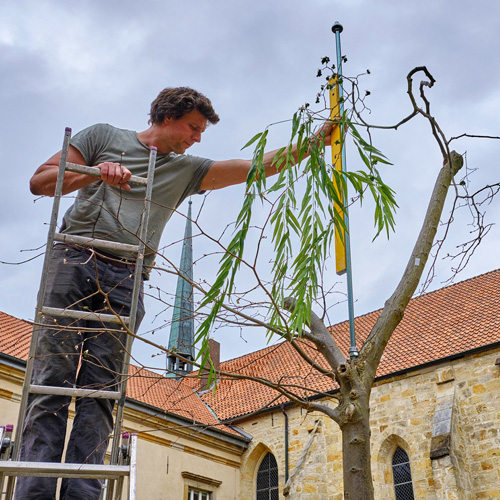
252,140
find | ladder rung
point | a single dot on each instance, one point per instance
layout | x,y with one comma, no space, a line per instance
86,315
73,391
95,243
46,469
96,172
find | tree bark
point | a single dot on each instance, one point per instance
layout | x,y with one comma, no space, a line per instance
358,484
395,306
354,422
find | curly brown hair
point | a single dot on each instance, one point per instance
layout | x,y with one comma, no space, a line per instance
175,102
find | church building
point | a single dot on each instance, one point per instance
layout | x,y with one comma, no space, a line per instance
435,406
435,412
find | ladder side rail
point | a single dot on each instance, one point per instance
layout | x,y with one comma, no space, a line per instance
39,305
104,489
133,467
134,304
123,456
110,488
119,488
128,457
142,245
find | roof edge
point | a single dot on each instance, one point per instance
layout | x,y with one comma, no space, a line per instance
240,441
452,357
13,361
206,429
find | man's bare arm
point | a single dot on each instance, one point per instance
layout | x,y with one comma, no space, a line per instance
44,179
230,172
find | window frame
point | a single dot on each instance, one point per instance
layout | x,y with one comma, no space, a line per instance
268,470
202,494
397,495
202,484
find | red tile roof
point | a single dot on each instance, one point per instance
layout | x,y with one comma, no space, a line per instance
146,386
15,336
279,363
167,394
450,321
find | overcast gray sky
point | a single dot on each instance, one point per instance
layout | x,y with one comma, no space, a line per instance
78,63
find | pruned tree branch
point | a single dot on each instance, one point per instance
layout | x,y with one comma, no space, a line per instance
321,338
393,311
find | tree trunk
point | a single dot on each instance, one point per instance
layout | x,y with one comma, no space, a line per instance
354,420
356,456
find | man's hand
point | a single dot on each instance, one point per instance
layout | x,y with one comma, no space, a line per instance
325,131
44,179
115,174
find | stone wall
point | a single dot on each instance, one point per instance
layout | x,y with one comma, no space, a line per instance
451,410
310,435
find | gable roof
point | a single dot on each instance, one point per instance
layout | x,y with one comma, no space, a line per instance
448,322
145,386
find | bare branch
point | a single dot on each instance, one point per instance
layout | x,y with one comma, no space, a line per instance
474,137
393,312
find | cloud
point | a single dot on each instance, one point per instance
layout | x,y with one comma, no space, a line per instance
78,63
61,46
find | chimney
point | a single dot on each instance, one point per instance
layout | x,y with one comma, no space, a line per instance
214,350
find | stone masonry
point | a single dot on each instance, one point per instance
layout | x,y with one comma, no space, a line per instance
446,417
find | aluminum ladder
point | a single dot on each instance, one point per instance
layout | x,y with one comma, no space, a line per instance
123,454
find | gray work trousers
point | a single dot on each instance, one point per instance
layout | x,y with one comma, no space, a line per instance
66,358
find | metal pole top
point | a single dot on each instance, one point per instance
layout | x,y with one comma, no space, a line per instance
337,27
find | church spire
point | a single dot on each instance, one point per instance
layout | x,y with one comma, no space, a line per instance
182,328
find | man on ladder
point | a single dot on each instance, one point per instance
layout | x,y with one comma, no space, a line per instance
88,279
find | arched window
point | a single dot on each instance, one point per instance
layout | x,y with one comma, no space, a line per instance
402,475
267,479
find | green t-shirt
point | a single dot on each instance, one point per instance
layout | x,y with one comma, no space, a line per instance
110,213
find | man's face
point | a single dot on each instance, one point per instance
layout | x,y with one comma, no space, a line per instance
182,133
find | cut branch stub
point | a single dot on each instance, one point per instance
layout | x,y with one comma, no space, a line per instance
349,411
344,370
456,162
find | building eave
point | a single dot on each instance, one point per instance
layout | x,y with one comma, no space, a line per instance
381,378
150,410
